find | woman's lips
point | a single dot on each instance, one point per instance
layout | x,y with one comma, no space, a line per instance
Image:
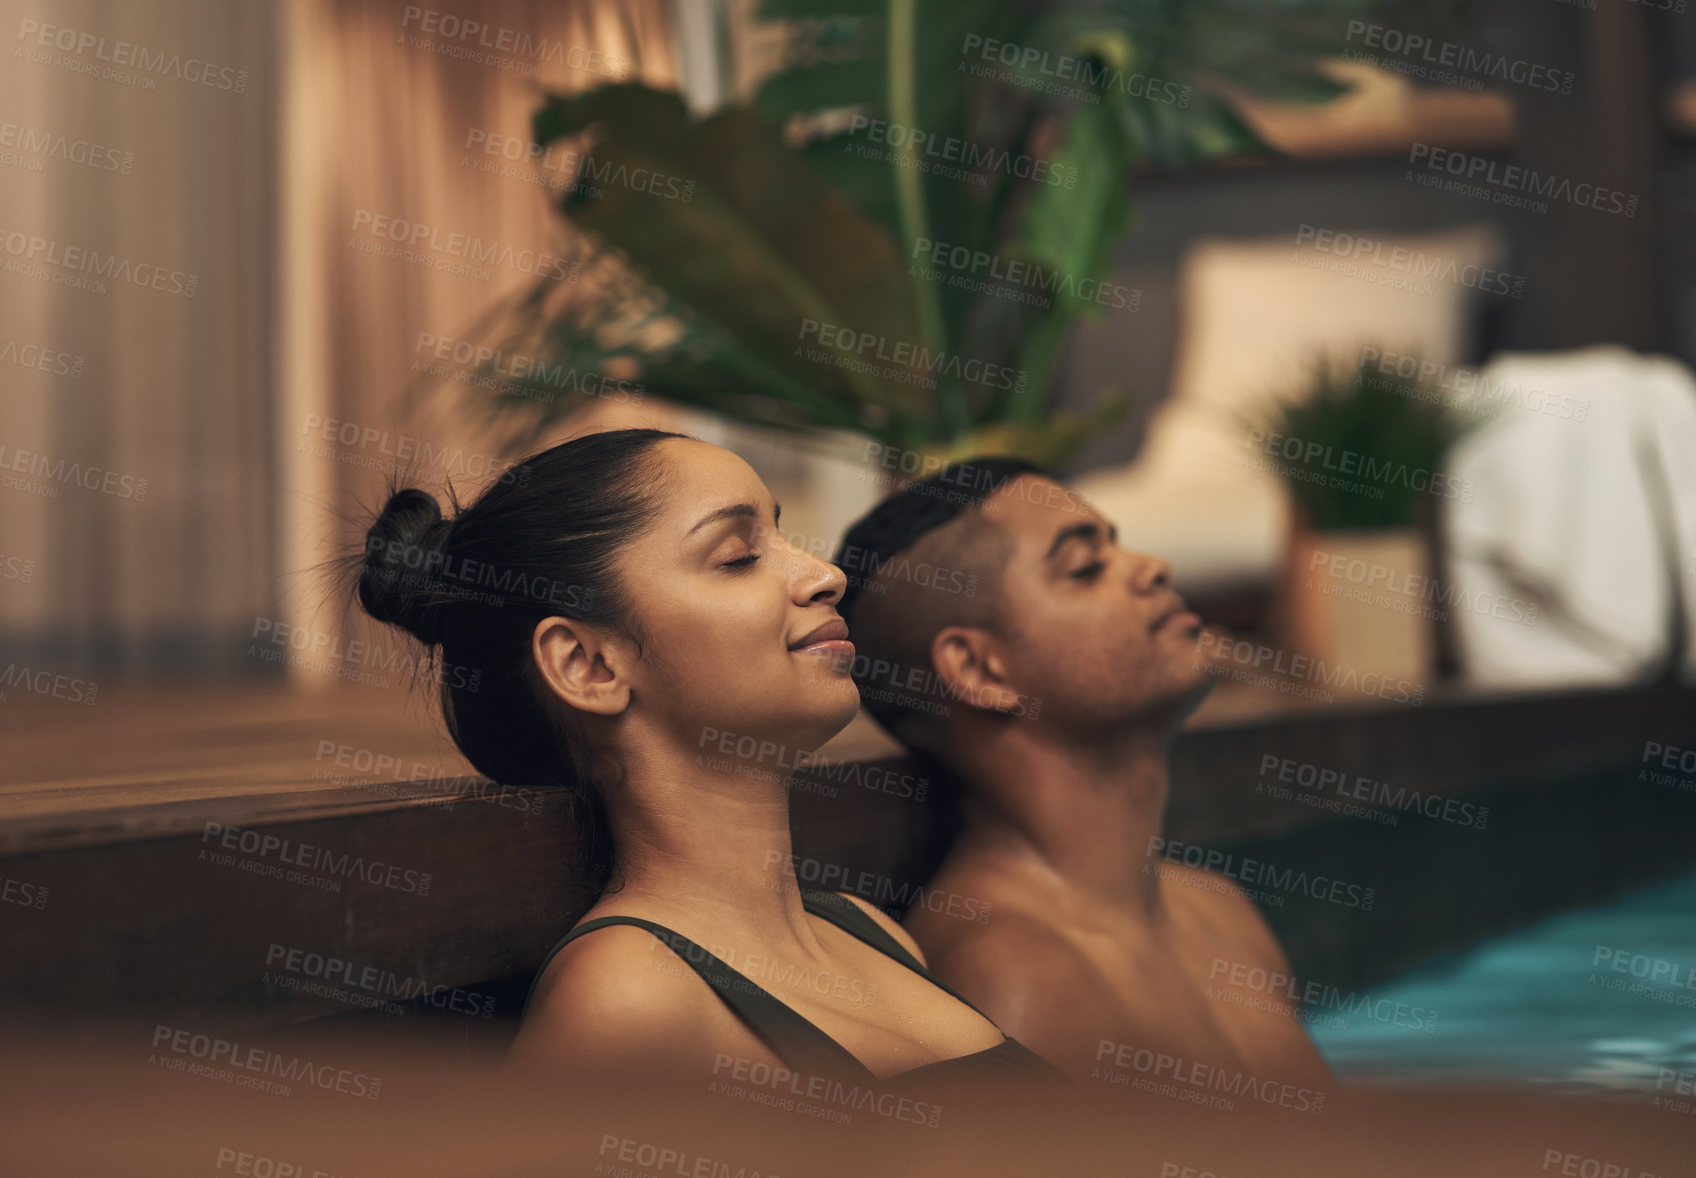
830,646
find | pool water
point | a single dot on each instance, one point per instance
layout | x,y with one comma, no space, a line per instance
1598,1001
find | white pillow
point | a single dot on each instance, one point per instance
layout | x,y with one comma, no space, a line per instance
1254,316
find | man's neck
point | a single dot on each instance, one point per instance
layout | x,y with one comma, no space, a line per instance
1078,812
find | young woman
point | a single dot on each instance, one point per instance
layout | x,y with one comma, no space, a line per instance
612,610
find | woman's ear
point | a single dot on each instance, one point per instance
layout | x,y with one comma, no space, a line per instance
582,665
973,667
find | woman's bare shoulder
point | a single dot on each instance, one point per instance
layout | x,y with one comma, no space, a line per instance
619,999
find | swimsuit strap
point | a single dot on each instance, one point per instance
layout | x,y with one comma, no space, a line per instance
796,1040
851,918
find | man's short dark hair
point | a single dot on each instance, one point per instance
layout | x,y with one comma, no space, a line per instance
876,543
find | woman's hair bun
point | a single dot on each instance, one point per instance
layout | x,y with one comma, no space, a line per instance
404,550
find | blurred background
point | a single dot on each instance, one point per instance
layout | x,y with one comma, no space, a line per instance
1377,319
1127,239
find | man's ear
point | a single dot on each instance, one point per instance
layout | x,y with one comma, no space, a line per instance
582,665
973,665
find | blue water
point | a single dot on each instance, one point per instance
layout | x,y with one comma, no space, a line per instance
1534,1008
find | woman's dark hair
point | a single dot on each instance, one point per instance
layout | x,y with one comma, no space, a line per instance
541,541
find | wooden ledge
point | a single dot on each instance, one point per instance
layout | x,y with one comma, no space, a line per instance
316,846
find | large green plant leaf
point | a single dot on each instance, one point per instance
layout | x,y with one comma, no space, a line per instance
759,248
884,132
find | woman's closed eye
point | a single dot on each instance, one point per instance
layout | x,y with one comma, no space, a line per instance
1088,571
742,562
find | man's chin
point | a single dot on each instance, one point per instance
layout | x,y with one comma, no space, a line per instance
1191,698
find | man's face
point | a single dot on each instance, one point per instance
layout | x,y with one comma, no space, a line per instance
1094,632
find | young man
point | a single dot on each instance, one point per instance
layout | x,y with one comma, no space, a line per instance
1003,633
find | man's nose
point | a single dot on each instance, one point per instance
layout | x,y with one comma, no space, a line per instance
1151,573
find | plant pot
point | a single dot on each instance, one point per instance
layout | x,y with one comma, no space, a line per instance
1356,601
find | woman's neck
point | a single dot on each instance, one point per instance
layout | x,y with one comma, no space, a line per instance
704,839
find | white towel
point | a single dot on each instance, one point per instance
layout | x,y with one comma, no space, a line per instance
1563,516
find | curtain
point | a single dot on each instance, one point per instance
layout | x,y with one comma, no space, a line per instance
414,209
137,197
186,332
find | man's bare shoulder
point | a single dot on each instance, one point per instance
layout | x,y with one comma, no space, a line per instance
1009,963
1222,907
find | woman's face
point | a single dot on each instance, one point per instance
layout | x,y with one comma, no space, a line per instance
741,640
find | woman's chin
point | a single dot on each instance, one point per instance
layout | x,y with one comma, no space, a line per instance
837,710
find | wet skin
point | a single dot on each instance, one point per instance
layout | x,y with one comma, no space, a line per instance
738,634
1091,945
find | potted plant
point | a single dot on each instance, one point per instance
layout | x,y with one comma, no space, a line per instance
886,245
1362,457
